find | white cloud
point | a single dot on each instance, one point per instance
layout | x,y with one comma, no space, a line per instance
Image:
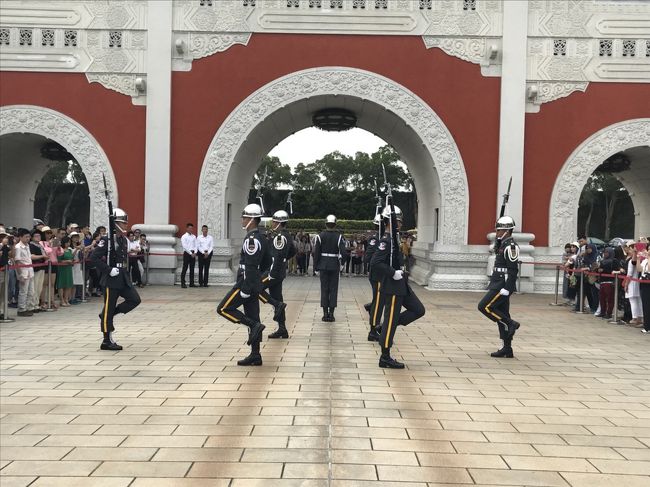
311,144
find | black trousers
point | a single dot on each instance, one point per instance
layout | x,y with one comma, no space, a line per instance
230,304
413,309
204,268
377,305
645,303
497,308
134,269
329,288
111,308
274,294
188,261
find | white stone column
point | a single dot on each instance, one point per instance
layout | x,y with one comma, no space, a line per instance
160,233
513,105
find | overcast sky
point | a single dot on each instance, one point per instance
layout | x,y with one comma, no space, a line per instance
311,144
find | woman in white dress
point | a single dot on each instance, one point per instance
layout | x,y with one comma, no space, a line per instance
632,291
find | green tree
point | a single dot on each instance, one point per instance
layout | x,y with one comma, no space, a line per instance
277,174
602,190
306,177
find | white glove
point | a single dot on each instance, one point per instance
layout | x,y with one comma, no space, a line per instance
317,273
114,272
504,292
399,273
244,295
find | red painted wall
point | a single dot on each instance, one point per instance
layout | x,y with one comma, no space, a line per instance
467,103
111,118
559,128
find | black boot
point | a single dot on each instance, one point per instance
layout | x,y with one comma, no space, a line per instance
281,332
388,362
513,326
278,311
331,315
506,351
326,315
373,336
255,333
109,344
255,358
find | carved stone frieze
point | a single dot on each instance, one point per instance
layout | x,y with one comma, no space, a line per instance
76,139
122,83
580,165
202,45
546,91
467,49
232,135
223,16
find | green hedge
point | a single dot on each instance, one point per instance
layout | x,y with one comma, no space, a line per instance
312,225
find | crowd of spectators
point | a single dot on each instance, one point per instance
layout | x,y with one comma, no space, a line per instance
616,268
45,268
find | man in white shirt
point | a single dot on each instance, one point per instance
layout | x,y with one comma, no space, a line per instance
25,275
188,241
204,245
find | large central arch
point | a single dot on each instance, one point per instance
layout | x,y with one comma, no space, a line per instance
76,140
283,106
563,212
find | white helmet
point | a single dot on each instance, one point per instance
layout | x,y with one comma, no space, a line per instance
386,212
281,216
252,211
377,219
505,223
119,215
330,219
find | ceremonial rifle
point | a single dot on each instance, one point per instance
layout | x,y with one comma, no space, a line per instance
110,257
506,197
260,189
378,210
394,237
290,202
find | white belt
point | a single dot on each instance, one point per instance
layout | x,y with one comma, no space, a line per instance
329,255
501,269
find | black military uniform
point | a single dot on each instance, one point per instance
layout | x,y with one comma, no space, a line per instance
282,249
254,260
496,302
397,293
328,251
116,286
376,307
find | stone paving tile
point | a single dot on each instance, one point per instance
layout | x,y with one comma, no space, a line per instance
172,408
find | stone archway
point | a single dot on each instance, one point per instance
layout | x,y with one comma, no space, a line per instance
563,212
77,140
443,161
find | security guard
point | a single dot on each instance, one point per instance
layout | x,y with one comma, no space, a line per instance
496,302
328,252
282,249
387,263
254,259
375,308
111,259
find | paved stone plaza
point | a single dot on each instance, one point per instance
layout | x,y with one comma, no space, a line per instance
173,409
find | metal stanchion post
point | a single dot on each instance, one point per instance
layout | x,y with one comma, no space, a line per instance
581,307
83,277
615,313
557,285
5,292
146,267
49,286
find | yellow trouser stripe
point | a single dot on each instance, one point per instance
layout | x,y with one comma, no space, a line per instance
487,307
263,299
390,321
223,313
267,278
374,315
105,320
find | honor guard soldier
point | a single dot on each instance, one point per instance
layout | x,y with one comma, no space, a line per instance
387,263
254,259
375,308
328,251
111,259
496,302
282,249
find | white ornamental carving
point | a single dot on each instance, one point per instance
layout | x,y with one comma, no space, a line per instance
563,213
470,49
224,16
553,91
77,140
202,45
337,81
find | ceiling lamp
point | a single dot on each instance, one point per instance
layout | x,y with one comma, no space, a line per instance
334,119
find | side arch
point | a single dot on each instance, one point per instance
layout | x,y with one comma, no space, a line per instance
76,140
336,81
563,211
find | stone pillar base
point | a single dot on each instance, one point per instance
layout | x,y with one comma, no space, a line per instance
224,260
162,240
